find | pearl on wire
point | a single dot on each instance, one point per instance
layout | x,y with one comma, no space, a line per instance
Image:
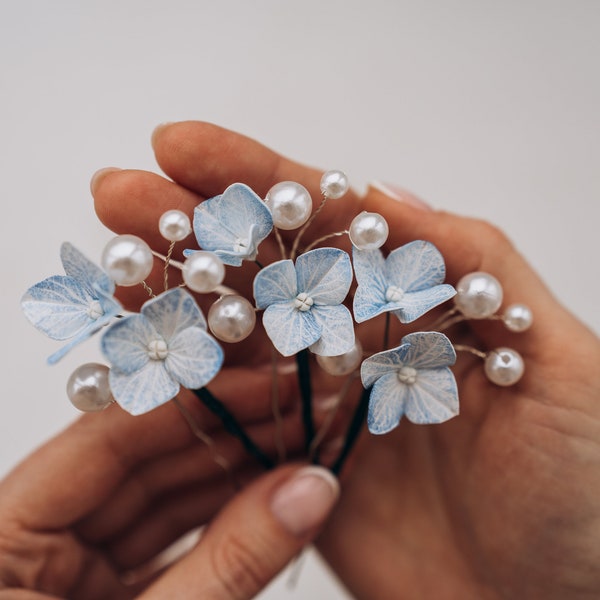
342,364
518,317
203,271
290,205
334,184
478,295
127,260
504,366
174,225
368,231
231,318
88,388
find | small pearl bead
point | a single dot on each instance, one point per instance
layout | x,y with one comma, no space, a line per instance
334,184
127,260
518,317
158,349
174,225
232,318
88,388
343,364
290,204
478,295
504,366
368,231
203,272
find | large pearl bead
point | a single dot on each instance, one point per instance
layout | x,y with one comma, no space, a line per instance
203,271
342,364
174,225
127,260
290,204
88,388
231,318
518,317
368,231
504,366
478,295
334,184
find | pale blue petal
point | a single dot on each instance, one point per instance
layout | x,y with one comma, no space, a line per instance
172,312
237,214
369,298
194,358
325,274
386,404
416,266
428,350
433,398
143,390
84,270
415,304
290,329
125,344
380,364
275,283
337,330
58,306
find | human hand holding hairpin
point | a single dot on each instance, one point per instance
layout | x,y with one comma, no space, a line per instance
449,495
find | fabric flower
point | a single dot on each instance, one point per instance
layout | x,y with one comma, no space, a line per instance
412,379
232,225
156,351
303,302
408,283
72,306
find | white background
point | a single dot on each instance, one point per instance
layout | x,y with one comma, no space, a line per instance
484,108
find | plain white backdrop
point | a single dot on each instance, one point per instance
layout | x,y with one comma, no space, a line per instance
484,108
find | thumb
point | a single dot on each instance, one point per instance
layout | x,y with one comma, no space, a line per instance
254,537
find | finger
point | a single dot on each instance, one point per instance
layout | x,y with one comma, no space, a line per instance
254,537
97,453
470,245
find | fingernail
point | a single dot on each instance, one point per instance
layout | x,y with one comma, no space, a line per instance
98,176
158,129
304,501
397,193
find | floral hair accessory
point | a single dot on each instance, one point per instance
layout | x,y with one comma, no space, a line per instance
303,298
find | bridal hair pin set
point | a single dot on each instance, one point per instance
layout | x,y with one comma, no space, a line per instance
302,302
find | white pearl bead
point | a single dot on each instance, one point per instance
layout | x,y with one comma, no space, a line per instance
203,271
231,318
334,184
290,204
478,295
174,225
127,260
88,388
343,364
504,366
518,317
368,231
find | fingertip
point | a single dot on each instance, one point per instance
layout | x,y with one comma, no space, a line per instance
399,194
99,176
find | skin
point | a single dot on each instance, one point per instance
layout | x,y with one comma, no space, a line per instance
500,502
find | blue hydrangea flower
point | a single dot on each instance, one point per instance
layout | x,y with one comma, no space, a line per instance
303,303
413,380
156,351
72,306
232,225
408,283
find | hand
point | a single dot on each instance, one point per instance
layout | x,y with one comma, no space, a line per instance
84,516
496,503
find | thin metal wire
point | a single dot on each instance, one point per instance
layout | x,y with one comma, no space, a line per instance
280,242
306,226
148,289
167,261
471,350
325,238
275,408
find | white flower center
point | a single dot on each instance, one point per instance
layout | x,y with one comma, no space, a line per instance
241,245
158,349
94,310
407,375
303,302
394,294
